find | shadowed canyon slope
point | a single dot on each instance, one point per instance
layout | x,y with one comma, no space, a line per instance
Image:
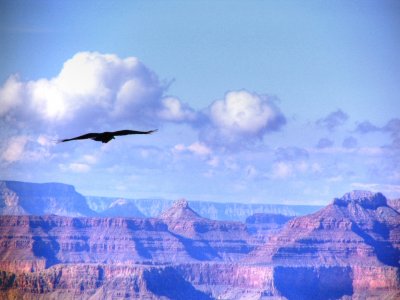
351,248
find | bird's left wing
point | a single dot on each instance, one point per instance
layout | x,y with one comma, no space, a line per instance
126,132
81,137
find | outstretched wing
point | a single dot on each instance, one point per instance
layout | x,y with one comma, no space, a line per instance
126,132
82,137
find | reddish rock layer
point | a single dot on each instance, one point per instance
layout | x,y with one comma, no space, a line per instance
348,249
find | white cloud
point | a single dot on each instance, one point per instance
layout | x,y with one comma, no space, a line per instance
199,149
173,110
214,162
179,148
92,90
286,169
10,95
241,115
75,167
90,159
14,149
282,170
302,166
26,148
45,141
196,148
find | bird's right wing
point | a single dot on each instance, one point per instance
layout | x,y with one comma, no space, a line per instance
81,137
126,132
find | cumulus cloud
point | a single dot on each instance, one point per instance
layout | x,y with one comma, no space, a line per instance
241,115
14,149
196,148
174,110
10,95
333,120
92,90
287,169
25,148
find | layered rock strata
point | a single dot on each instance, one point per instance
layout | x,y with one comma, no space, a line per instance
350,249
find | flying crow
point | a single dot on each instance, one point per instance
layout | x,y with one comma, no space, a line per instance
105,137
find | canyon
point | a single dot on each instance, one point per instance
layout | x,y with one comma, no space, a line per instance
349,249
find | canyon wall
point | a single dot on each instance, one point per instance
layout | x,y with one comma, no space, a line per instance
349,250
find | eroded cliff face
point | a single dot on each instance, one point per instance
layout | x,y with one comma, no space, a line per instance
356,238
19,198
208,239
179,235
105,281
9,201
348,249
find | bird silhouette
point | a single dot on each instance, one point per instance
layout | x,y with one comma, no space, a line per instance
106,136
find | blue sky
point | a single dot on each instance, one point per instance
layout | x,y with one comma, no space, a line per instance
255,101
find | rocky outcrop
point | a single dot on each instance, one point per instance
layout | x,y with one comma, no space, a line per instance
352,228
358,234
100,281
18,198
208,239
9,201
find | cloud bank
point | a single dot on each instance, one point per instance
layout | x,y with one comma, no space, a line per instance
91,90
96,92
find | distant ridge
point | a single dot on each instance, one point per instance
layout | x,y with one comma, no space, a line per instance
18,198
229,211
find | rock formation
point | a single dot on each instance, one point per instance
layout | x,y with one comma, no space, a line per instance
211,210
18,198
348,249
354,239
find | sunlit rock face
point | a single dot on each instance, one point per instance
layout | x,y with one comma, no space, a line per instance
348,249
